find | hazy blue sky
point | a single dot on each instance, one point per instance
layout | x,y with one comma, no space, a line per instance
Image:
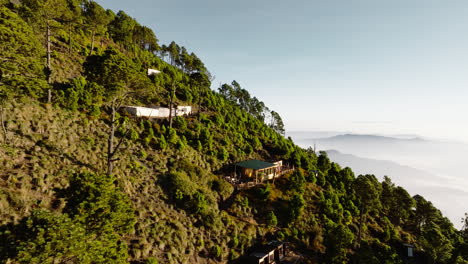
363,66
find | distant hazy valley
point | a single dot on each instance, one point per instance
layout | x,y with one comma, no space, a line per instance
434,169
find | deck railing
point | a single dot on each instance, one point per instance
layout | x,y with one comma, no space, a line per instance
245,185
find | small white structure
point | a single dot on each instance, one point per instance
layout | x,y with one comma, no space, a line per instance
157,111
165,112
153,72
184,110
142,111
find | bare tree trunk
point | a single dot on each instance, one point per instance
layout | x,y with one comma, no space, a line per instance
2,120
361,219
69,36
49,68
92,42
110,143
111,149
170,105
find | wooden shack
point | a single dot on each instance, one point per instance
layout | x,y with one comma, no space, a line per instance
409,250
257,170
271,253
280,250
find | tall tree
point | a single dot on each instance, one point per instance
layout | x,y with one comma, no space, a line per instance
186,60
163,52
175,80
435,243
119,77
122,28
5,96
277,123
464,230
145,38
368,190
97,18
21,57
173,50
71,15
21,67
46,13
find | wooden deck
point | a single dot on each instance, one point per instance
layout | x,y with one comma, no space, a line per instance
286,171
245,185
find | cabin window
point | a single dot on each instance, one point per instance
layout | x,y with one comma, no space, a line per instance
410,252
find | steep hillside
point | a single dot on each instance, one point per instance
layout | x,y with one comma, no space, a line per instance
47,145
82,181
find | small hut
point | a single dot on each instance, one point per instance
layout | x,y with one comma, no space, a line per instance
280,249
158,111
410,250
271,253
184,110
153,72
257,170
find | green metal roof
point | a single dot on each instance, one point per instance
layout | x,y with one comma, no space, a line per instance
255,164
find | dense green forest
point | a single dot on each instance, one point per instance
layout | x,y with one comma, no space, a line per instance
83,182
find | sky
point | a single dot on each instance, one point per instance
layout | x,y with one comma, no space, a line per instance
361,66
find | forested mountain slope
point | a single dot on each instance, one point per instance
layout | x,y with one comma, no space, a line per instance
157,194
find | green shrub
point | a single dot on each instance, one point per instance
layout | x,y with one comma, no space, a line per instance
271,219
133,135
233,254
297,181
234,241
216,251
296,205
172,137
264,193
143,154
180,123
152,260
199,203
95,201
95,111
162,144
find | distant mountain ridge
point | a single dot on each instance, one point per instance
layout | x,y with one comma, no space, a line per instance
369,137
381,168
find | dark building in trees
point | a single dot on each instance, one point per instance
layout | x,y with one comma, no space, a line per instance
271,253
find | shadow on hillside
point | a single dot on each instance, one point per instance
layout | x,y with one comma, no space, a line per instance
58,153
10,235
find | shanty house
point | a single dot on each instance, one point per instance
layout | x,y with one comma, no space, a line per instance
153,72
280,249
410,250
184,110
258,170
272,253
157,111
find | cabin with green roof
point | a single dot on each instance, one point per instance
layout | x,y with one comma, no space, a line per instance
258,170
